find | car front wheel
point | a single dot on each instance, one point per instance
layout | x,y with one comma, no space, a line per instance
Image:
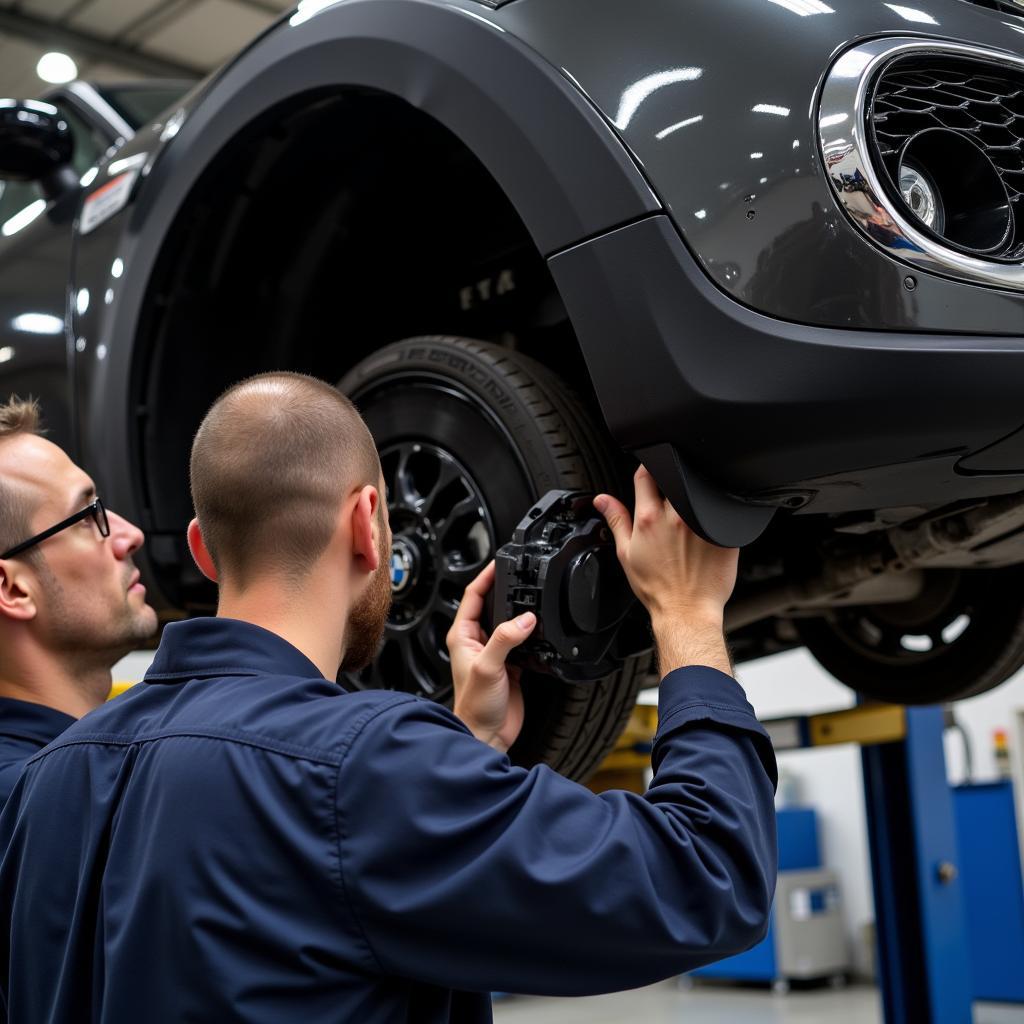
470,435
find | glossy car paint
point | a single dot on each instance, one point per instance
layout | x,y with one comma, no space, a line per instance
604,121
35,251
718,103
33,342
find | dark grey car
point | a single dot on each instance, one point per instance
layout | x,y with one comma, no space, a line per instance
770,247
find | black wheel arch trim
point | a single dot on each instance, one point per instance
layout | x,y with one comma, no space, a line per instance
566,172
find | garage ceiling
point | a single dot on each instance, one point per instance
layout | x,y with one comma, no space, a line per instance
118,40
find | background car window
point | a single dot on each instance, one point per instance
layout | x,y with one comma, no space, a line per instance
89,147
139,104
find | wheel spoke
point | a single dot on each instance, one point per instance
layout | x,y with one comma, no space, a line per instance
417,679
405,492
431,643
462,508
460,574
448,475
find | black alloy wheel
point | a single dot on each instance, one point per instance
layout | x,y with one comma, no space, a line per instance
470,434
442,536
962,635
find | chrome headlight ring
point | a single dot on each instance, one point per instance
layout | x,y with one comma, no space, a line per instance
849,160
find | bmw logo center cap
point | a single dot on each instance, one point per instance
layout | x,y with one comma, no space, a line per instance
403,563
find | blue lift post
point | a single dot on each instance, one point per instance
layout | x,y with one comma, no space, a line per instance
923,956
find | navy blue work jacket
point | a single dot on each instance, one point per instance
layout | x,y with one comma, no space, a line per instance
25,728
238,839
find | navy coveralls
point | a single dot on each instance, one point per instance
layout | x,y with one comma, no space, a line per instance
25,728
238,839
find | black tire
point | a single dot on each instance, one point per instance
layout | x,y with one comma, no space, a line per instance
962,636
507,430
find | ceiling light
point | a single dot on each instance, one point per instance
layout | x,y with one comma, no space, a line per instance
56,68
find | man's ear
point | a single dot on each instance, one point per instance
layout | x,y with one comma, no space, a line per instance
200,555
17,601
364,521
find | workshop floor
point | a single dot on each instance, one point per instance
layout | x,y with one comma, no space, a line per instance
718,1004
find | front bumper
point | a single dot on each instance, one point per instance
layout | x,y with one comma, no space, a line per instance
744,414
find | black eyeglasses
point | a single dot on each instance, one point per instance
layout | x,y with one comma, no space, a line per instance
95,510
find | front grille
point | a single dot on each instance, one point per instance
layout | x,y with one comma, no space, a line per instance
1004,6
976,99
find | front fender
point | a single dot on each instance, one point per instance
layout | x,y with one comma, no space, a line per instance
560,164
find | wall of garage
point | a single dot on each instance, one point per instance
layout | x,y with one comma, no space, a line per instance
829,779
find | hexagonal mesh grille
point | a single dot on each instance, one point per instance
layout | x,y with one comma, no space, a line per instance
979,100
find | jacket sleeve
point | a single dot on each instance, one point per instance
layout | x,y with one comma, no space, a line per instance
465,871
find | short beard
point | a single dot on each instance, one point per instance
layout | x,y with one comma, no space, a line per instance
369,615
88,647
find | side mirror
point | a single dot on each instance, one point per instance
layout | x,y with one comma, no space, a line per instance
36,145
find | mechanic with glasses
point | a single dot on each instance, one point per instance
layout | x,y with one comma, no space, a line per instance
71,604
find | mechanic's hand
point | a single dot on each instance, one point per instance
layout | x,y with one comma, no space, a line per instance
682,580
487,694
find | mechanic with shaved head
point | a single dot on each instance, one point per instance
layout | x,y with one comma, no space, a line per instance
238,838
71,603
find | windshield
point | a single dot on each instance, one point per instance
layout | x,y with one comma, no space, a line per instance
139,104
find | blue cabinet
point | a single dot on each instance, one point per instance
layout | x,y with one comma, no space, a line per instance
990,874
804,937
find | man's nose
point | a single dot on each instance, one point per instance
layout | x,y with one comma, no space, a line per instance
125,537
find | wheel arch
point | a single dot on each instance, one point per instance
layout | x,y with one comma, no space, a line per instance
562,171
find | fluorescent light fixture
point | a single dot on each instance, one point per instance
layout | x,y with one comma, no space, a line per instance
82,301
832,119
700,214
89,177
23,218
117,267
665,132
6,354
56,68
639,91
804,8
762,181
38,323
912,14
770,108
796,143
756,156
